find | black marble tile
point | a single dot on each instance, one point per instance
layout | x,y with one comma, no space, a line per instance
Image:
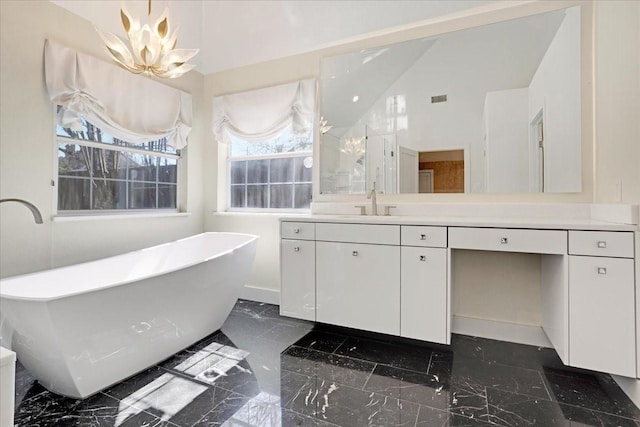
40,407
104,411
430,417
465,370
513,354
589,392
321,341
250,373
425,389
250,308
330,367
515,409
285,333
347,406
392,354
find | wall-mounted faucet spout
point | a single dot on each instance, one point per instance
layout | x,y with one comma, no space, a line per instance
36,213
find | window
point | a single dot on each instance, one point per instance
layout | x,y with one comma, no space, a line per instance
272,174
97,172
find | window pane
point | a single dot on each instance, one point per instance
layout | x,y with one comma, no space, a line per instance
167,170
73,194
303,196
258,171
281,170
238,172
302,170
142,167
73,160
286,143
166,196
109,194
142,195
109,164
257,196
281,196
237,196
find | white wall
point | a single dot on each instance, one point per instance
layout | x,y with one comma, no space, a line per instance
555,90
28,150
507,141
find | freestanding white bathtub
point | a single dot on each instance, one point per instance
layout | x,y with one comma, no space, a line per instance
82,328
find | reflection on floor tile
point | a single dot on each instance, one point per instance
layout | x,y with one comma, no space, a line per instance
264,370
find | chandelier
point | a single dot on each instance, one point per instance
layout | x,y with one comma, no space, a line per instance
153,49
353,146
324,126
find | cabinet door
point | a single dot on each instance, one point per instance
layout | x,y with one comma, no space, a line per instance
602,314
358,286
423,294
298,279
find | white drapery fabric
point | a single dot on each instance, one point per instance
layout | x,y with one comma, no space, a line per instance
130,107
264,114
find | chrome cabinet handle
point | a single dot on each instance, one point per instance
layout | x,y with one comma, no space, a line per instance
423,237
602,270
354,253
296,230
296,249
423,258
602,244
504,240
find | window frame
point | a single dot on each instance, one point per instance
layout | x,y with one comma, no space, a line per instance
288,154
106,146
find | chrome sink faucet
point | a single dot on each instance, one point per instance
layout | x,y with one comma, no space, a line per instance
374,203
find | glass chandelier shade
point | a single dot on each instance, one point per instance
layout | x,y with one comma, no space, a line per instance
152,50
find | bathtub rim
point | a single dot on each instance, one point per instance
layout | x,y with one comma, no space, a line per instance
250,239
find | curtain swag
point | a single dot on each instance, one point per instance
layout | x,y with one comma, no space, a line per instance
264,114
130,107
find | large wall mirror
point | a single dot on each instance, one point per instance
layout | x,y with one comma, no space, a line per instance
491,109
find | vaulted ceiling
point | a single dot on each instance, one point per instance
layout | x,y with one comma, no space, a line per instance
234,33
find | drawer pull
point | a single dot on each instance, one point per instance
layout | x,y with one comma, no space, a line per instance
296,249
602,244
504,240
296,230
423,237
602,270
354,253
423,258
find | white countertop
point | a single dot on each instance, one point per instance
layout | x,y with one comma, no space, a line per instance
535,223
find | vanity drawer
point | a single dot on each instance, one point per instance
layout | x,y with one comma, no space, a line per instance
509,240
359,233
434,237
298,230
601,243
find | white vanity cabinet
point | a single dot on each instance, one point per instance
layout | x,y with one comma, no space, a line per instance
393,276
298,270
358,286
358,276
602,302
424,307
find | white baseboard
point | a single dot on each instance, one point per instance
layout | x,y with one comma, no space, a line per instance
512,332
253,293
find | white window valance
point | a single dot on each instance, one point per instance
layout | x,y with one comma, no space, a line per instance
127,106
264,114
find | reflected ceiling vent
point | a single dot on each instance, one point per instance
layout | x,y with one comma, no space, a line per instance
439,98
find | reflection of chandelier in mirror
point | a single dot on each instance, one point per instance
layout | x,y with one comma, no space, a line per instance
353,146
324,126
152,51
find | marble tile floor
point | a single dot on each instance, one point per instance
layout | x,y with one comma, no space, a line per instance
265,370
